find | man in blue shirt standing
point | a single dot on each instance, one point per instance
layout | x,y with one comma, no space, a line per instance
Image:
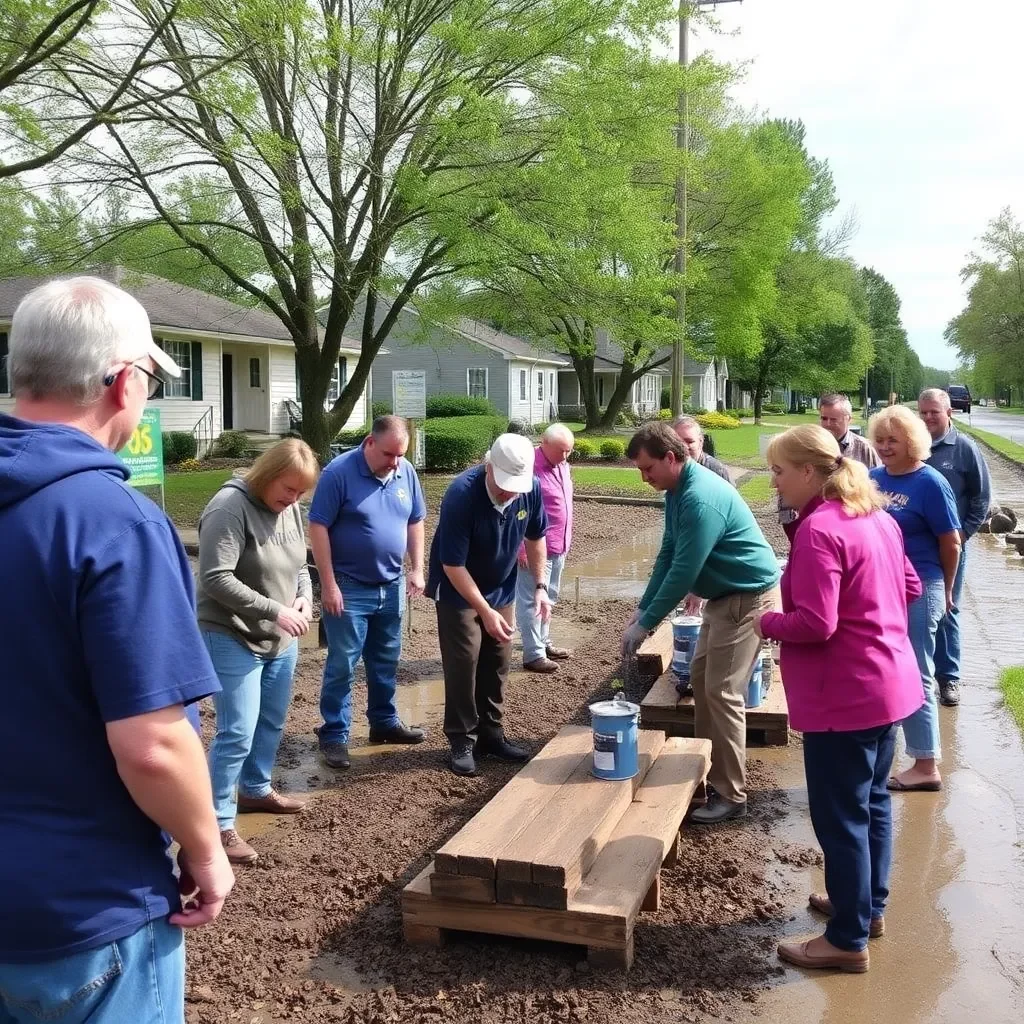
487,513
957,458
103,765
367,514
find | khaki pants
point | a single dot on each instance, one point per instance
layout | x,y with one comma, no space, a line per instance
719,673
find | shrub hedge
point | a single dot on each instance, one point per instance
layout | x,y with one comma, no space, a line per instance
583,451
232,444
717,421
178,445
440,406
455,442
612,450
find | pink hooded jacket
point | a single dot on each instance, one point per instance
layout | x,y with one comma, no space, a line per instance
847,663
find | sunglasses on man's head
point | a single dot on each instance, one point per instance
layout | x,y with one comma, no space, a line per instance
155,383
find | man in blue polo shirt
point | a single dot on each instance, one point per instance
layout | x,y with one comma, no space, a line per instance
957,458
367,514
487,513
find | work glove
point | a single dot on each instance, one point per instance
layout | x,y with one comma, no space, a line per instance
634,636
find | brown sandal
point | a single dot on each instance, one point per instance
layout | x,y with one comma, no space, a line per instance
896,786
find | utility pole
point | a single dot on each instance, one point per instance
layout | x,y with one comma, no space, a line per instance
683,144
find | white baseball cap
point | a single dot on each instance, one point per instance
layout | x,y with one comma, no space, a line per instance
511,457
166,367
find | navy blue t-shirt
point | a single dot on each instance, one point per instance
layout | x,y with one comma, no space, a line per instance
471,532
99,625
367,518
922,503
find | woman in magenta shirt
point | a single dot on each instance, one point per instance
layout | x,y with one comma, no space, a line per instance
850,676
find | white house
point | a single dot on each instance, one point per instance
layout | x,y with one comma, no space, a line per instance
238,362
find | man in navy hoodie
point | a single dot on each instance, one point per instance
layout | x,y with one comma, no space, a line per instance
102,657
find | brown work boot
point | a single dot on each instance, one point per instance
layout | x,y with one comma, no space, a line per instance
543,665
237,849
819,953
823,905
272,803
558,653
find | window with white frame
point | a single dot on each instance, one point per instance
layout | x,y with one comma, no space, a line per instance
339,378
476,382
523,386
181,353
540,385
255,376
551,385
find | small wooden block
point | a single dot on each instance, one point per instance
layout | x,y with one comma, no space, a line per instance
528,894
446,863
654,656
603,956
422,935
777,738
462,887
672,857
652,901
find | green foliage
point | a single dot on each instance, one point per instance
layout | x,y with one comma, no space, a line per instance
584,450
1011,682
776,408
190,466
741,414
380,409
351,438
232,444
178,445
757,490
456,442
623,481
989,331
458,405
613,450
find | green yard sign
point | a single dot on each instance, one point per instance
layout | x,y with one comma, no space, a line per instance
144,452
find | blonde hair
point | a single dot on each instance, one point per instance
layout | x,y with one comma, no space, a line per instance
844,478
286,456
898,419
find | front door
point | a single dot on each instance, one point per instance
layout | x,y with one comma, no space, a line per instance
227,391
251,385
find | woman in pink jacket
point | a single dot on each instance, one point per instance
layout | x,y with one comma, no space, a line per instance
850,676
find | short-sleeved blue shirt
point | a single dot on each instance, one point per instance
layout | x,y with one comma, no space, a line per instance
471,532
922,503
367,518
99,622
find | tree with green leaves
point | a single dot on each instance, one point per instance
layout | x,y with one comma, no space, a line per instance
360,145
989,331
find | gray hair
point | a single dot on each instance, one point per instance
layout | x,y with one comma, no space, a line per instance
558,432
389,424
686,420
68,333
935,395
837,400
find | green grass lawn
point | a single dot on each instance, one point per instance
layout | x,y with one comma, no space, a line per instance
616,480
758,489
739,447
1011,682
187,494
1010,449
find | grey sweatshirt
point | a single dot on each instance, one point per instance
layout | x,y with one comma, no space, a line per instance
252,562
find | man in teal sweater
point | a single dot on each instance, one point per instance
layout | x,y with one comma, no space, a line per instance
712,551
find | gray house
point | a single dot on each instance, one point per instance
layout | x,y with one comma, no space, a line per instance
470,358
644,396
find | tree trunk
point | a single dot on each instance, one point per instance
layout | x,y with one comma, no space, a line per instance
584,367
627,377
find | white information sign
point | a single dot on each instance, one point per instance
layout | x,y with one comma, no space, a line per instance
409,394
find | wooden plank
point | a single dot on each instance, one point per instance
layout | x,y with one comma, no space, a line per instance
422,935
617,959
643,838
654,655
475,848
528,894
462,887
560,845
580,923
652,901
663,705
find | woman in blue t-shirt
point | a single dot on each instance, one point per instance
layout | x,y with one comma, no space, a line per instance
922,502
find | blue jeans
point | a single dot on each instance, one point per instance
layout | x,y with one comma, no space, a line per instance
947,638
370,626
251,710
851,812
921,729
140,978
536,634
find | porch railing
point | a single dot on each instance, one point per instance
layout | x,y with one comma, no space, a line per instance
203,433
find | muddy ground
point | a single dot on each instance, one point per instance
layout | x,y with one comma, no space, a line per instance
313,932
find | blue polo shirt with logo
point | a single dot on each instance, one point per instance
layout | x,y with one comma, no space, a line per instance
367,518
471,532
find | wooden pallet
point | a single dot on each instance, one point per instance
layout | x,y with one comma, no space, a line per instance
560,855
664,710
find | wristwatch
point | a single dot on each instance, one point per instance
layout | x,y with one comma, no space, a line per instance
544,587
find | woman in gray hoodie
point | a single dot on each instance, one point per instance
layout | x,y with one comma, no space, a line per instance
255,600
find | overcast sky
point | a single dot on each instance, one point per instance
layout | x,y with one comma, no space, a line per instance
916,105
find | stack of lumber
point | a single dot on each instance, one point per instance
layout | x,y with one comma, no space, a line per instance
561,855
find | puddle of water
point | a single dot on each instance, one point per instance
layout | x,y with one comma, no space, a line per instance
621,571
954,943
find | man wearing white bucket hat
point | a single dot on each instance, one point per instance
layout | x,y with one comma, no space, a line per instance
486,514
713,549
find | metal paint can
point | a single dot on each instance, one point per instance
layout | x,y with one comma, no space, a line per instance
615,725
